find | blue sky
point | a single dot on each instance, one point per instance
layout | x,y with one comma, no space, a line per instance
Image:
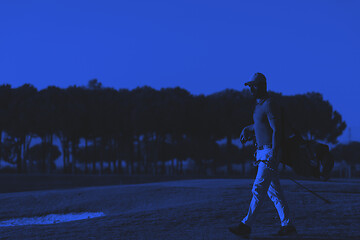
202,46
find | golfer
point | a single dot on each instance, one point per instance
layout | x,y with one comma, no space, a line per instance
267,134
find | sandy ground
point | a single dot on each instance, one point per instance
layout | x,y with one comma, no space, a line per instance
187,209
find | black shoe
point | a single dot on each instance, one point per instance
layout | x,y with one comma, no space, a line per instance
240,230
287,230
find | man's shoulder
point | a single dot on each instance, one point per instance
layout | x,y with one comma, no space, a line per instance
272,105
270,101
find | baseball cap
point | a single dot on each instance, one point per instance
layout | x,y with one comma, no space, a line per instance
256,79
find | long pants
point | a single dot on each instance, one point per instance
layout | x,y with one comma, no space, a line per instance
267,181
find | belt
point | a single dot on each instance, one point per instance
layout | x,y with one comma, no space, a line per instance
267,163
264,146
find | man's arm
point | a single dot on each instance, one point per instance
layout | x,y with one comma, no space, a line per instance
247,133
273,117
250,127
275,135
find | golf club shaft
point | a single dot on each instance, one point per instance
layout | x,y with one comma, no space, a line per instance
314,193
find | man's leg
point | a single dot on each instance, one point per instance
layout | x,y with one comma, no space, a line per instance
261,185
277,196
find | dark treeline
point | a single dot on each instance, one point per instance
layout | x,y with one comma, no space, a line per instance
140,131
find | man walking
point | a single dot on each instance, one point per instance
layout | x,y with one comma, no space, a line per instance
266,130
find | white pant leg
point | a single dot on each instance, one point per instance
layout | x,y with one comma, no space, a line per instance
260,187
267,180
277,197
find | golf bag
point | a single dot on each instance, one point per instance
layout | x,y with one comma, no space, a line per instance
307,158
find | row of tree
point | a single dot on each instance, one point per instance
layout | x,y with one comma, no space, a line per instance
350,154
142,127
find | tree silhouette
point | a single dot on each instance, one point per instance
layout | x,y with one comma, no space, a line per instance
5,100
348,152
22,119
38,151
145,128
230,112
312,117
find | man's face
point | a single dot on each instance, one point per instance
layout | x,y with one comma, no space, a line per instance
254,90
257,91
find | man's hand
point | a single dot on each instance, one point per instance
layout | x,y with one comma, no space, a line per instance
247,134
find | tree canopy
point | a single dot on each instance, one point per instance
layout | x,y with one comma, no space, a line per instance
141,127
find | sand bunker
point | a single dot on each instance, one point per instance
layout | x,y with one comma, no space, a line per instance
50,219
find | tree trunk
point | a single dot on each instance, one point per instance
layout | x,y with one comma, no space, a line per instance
68,155
156,154
26,152
243,168
161,156
1,147
50,156
24,157
102,156
172,167
138,156
181,168
351,170
63,145
177,167
86,155
228,155
117,151
94,158
73,153
18,157
43,155
131,156
113,155
146,154
121,170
